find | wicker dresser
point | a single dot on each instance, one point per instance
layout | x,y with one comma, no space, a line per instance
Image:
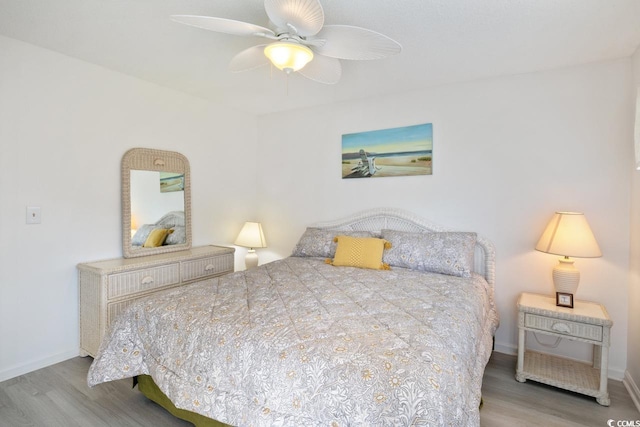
587,322
108,287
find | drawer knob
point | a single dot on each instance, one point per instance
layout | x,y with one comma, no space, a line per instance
209,267
146,280
561,327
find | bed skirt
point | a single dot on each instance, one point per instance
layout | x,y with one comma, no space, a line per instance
148,387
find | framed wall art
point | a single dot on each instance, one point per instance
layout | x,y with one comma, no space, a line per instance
171,181
399,151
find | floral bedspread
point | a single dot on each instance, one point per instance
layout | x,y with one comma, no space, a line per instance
298,342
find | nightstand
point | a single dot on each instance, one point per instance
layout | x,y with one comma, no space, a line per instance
586,322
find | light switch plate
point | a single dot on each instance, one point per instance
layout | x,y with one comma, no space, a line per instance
34,215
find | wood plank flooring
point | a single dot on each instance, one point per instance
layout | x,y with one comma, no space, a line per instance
59,396
510,403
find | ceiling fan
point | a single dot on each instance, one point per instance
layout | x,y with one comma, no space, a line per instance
300,41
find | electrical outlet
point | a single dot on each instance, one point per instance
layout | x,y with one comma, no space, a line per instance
34,215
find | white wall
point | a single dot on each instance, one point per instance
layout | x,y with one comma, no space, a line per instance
508,152
64,126
148,203
632,376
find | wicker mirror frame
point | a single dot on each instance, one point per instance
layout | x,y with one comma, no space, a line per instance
160,161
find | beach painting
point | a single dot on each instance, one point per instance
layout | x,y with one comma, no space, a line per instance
399,151
171,181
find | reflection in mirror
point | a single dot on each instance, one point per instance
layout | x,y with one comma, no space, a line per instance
157,202
156,216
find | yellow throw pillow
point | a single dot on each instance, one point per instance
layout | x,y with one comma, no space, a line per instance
156,237
362,252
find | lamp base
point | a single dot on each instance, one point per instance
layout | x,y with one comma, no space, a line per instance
251,260
566,276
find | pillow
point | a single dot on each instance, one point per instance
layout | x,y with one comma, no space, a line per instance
171,219
449,253
316,242
362,252
141,235
178,236
156,238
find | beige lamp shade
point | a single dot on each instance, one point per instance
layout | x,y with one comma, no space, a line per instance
251,236
568,234
134,224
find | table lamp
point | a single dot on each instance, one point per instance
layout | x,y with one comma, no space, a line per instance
568,234
251,236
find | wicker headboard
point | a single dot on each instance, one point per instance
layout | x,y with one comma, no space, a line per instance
375,220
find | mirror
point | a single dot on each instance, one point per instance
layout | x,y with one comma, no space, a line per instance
156,202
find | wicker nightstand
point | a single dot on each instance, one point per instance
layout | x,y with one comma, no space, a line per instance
587,322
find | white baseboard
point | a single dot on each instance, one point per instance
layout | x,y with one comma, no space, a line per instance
632,388
16,371
506,348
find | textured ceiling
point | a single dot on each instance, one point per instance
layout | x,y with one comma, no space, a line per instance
444,41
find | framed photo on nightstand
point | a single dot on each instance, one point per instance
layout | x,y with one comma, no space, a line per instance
564,299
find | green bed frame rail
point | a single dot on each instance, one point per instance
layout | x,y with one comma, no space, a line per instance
148,387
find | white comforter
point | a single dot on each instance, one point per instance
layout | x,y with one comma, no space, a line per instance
298,342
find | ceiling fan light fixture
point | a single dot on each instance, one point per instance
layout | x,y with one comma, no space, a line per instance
288,57
299,37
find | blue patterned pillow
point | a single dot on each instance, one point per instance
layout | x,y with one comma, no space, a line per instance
449,253
316,242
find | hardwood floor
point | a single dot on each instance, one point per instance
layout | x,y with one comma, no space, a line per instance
510,403
59,396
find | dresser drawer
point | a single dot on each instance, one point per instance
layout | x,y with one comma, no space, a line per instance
565,327
206,267
115,308
133,282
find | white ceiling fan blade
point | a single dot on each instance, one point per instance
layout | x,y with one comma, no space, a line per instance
223,25
306,16
347,42
323,69
249,59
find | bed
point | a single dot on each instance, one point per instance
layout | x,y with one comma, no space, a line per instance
170,229
308,340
